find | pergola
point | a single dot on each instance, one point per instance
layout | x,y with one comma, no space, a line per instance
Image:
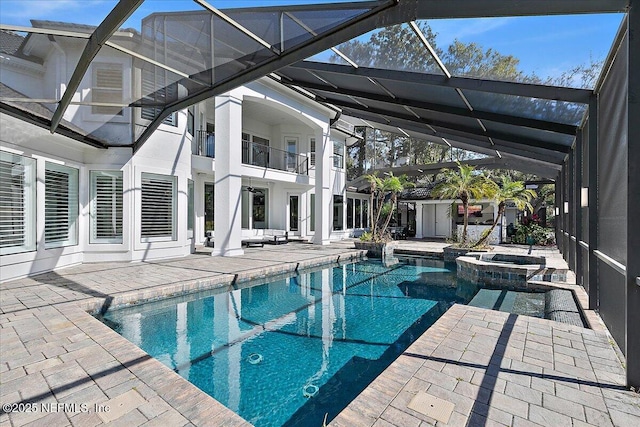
592,149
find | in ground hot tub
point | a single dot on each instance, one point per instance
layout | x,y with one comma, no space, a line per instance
506,269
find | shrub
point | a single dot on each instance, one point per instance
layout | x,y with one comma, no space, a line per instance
539,234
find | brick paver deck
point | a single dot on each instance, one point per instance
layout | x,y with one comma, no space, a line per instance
494,367
501,369
53,353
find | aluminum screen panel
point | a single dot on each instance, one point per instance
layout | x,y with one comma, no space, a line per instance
391,48
531,108
537,134
612,160
424,92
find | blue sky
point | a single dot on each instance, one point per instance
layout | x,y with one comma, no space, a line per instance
544,45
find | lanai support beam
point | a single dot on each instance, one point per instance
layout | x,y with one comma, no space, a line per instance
431,106
341,33
593,202
491,86
100,36
633,200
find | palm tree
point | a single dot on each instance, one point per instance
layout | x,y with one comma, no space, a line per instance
514,191
464,184
384,195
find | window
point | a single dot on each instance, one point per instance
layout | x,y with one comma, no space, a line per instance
338,203
191,121
312,208
107,88
17,204
209,200
337,155
255,208
106,207
349,212
158,216
312,149
190,208
292,157
260,208
156,91
365,213
358,213
60,205
260,140
255,150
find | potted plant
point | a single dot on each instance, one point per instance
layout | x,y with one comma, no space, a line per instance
383,198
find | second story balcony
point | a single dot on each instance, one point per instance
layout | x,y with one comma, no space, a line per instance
205,144
256,154
272,158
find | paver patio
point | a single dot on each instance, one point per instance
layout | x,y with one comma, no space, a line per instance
496,368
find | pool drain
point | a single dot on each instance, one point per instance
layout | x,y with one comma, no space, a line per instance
309,390
254,358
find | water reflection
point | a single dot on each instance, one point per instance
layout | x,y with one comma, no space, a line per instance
258,349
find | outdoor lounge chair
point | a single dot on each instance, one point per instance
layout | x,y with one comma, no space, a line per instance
253,242
275,237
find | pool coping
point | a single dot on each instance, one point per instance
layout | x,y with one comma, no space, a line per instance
95,365
126,299
98,365
435,364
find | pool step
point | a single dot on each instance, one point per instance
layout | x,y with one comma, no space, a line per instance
494,299
557,304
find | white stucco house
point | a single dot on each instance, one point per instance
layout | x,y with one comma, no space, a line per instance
262,156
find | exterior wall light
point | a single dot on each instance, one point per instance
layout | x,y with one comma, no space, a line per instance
584,197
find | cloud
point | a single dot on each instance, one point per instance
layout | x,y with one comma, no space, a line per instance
451,29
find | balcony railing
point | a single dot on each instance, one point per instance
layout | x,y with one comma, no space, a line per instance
205,144
267,157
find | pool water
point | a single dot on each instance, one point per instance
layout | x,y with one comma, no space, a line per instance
295,350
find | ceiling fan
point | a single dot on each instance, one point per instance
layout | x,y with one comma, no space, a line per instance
252,189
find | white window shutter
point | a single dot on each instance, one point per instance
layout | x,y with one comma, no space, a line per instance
158,216
106,207
107,88
61,205
17,203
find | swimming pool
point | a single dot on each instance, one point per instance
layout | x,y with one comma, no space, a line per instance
290,351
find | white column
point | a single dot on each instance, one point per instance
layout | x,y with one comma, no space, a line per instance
228,182
198,206
324,199
419,227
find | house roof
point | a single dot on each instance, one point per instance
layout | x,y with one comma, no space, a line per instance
37,112
417,193
10,42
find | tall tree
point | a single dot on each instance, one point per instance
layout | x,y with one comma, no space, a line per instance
383,199
464,184
514,191
397,47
